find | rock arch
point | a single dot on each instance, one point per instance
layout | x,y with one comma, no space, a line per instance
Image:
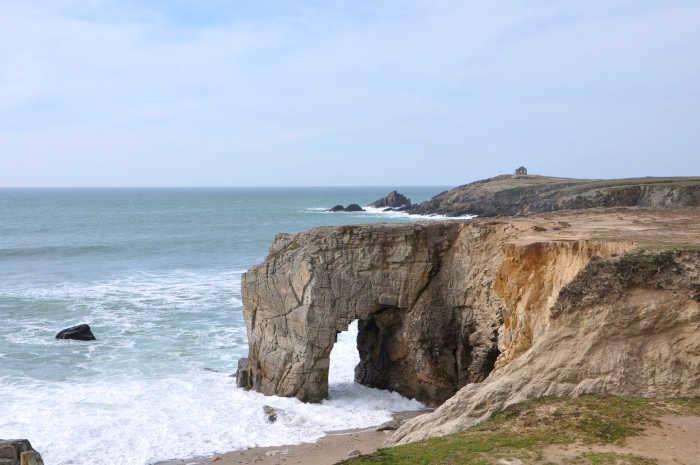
420,332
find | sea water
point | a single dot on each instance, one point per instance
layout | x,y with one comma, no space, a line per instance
157,274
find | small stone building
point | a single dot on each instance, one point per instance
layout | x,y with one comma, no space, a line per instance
522,171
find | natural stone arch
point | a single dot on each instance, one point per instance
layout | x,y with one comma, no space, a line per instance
418,332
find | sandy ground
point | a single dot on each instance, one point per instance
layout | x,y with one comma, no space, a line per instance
662,227
675,441
331,449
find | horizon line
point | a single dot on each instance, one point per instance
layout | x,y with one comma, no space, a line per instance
228,187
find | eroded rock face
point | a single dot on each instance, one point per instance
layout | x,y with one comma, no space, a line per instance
419,331
589,302
624,325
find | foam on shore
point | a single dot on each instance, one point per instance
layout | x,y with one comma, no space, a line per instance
390,214
121,420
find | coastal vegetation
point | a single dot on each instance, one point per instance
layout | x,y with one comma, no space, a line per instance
588,430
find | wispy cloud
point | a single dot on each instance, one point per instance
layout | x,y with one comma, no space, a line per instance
183,93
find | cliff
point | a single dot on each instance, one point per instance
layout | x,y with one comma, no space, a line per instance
484,313
524,194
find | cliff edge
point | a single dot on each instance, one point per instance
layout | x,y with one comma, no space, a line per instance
508,195
482,314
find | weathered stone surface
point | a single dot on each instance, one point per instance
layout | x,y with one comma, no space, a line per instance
624,325
419,333
526,194
18,452
590,302
393,200
78,333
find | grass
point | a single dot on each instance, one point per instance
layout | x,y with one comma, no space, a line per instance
523,431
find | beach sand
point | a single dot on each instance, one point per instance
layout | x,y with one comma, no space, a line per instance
332,448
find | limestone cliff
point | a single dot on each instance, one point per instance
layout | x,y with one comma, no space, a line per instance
499,310
526,194
421,332
628,325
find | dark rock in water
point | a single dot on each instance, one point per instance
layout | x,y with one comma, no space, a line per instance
270,413
243,374
353,207
78,333
392,200
18,452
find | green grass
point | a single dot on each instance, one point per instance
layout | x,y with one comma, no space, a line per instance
524,430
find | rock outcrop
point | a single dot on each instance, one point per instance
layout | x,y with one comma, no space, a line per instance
353,207
393,200
559,304
18,452
625,325
78,333
521,194
395,281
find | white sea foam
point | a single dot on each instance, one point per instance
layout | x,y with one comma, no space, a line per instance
127,421
399,214
180,288
391,214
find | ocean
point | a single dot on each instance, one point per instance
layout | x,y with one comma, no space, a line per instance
156,273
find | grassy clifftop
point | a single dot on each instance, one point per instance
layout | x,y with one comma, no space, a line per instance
517,195
588,430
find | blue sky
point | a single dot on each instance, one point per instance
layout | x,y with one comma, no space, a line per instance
292,93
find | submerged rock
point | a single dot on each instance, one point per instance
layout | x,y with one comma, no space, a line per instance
337,208
78,333
18,452
393,200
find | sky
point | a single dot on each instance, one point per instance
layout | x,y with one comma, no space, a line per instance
323,93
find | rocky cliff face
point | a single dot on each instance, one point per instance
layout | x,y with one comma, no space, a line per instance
392,200
518,195
420,332
627,325
494,311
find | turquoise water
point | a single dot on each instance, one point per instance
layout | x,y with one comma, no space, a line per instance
156,273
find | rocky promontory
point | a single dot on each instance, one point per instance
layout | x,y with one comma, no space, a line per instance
485,313
393,201
520,194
